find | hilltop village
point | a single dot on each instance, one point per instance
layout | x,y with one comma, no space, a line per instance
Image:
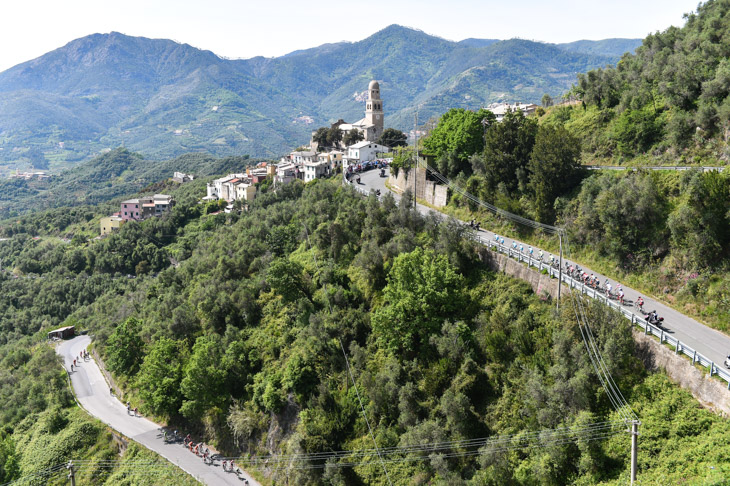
354,145
345,147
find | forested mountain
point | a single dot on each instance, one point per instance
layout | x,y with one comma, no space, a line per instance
239,340
162,98
669,103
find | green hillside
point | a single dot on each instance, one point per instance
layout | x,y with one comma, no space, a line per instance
112,175
241,341
667,104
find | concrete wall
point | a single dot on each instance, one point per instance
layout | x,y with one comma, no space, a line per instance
434,194
107,375
710,392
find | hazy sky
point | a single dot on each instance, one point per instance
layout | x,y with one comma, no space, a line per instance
245,28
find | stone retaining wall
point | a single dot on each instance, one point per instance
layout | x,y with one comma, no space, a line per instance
710,392
434,194
542,284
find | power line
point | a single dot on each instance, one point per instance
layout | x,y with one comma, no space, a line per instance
349,371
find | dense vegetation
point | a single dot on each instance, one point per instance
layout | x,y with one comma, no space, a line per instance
666,104
238,336
163,99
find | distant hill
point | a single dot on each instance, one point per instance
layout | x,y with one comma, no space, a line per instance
162,98
105,177
605,47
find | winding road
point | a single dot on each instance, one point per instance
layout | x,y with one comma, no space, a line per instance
711,343
92,393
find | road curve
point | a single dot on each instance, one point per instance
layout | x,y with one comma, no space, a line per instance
92,392
711,343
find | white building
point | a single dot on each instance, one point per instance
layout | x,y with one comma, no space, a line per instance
316,170
301,157
362,151
225,187
286,172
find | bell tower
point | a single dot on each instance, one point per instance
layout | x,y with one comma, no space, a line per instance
374,109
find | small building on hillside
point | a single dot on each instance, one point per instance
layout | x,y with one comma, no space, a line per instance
181,177
300,157
245,191
501,109
316,170
62,333
110,224
286,172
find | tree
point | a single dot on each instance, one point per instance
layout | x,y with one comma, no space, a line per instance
203,383
546,101
352,137
286,277
37,158
423,290
507,150
554,168
460,132
320,137
393,138
160,376
334,136
125,348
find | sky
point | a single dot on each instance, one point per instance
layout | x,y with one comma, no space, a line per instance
245,28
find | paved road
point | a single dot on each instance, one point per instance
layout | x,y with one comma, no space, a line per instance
654,167
711,343
92,392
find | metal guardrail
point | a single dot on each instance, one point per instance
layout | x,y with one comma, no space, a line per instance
636,320
649,329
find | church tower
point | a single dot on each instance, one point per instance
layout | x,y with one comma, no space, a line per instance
374,110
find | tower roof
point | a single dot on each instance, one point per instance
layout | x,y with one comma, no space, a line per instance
373,85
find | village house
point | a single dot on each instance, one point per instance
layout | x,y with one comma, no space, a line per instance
316,170
145,207
287,172
234,187
110,224
181,177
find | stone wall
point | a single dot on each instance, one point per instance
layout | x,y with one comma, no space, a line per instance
434,194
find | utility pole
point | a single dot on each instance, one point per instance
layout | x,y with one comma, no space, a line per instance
560,268
415,172
70,467
634,436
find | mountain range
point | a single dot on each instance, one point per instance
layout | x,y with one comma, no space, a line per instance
162,98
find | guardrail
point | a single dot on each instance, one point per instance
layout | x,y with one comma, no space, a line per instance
649,329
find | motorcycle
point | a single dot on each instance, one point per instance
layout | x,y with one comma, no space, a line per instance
654,319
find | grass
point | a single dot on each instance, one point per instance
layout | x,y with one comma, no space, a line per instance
55,436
